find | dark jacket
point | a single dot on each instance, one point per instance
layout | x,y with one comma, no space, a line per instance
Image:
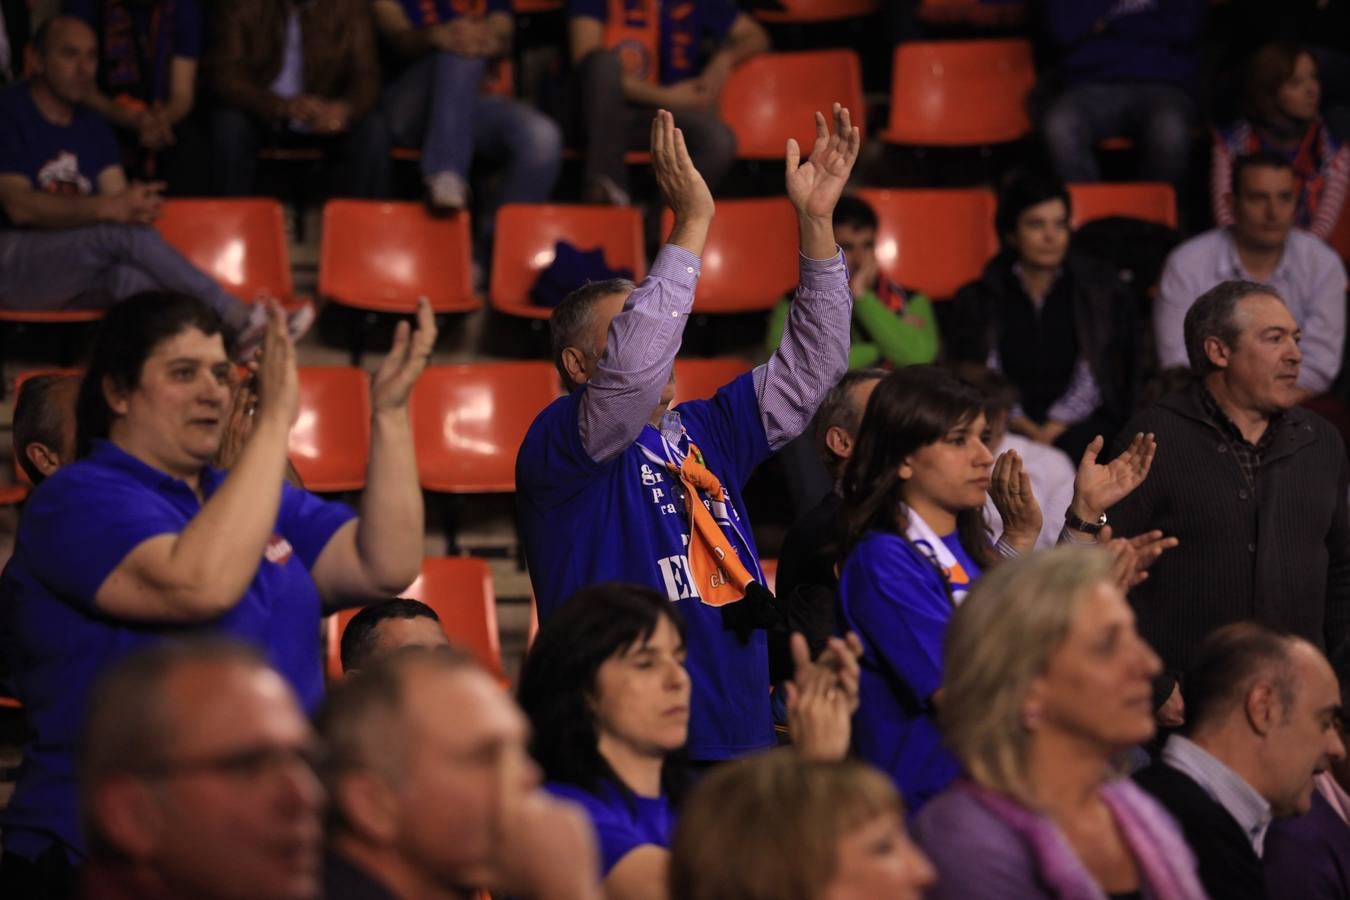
1103,314
1229,866
1281,557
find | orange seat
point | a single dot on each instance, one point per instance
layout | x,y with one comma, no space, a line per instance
817,10
524,246
20,476
770,569
239,242
51,317
750,260
523,7
1150,201
699,379
774,96
382,256
330,441
459,589
934,240
469,420
960,93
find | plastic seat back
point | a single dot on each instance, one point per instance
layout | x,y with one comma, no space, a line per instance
241,243
774,96
933,240
750,260
960,93
699,379
805,11
330,441
1150,201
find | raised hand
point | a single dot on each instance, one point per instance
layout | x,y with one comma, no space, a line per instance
277,381
684,190
822,697
1134,555
407,358
1097,487
814,186
1010,488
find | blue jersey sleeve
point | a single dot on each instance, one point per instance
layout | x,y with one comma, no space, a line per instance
309,522
498,6
718,16
616,830
731,422
187,29
553,466
594,9
896,602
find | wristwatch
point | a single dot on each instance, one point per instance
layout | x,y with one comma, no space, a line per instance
1086,527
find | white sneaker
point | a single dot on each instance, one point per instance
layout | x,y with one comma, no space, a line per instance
249,342
446,193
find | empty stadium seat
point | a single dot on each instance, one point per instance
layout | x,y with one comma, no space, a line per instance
382,257
469,420
773,96
750,260
933,240
1150,201
459,589
330,441
960,93
699,379
240,242
525,239
806,11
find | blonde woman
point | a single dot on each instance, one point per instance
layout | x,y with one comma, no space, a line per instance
1046,683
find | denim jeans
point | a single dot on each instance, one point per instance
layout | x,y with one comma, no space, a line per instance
1157,117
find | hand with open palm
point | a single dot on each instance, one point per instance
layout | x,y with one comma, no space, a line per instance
1099,486
814,186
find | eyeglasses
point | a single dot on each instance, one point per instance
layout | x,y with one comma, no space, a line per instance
247,764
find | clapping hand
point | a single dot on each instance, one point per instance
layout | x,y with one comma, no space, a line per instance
814,186
1133,556
1010,488
822,697
407,358
1098,487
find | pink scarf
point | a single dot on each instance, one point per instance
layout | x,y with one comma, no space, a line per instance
1166,866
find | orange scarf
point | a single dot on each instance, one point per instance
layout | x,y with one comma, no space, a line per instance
720,575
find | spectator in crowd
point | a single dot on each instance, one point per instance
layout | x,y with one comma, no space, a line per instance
775,825
630,59
383,628
1057,324
72,229
147,83
1252,485
1046,682
607,695
195,780
1262,246
290,73
1281,107
891,325
1127,69
1308,856
440,102
14,31
1261,710
660,489
44,424
915,542
430,804
167,544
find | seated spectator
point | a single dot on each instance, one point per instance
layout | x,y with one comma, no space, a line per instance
631,59
439,101
433,794
44,424
891,326
1308,856
1261,710
608,698
915,542
196,780
1057,324
383,628
72,229
774,825
1282,116
1046,683
147,84
14,32
296,73
1127,69
141,539
1264,247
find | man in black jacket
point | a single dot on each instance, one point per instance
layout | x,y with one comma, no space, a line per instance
1261,721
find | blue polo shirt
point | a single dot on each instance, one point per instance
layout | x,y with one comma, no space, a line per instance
622,823
683,24
894,598
77,527
584,522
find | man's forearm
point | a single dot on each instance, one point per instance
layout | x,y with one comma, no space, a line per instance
389,532
34,209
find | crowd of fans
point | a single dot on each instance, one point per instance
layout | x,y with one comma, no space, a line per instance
1041,629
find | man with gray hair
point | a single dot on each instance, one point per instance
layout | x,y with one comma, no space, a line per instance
1252,485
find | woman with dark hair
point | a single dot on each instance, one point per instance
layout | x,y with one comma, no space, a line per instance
915,541
1281,114
141,539
1057,324
607,694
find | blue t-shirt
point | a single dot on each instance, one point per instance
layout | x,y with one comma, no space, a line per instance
894,598
77,527
584,522
622,823
57,159
137,42
429,12
683,28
